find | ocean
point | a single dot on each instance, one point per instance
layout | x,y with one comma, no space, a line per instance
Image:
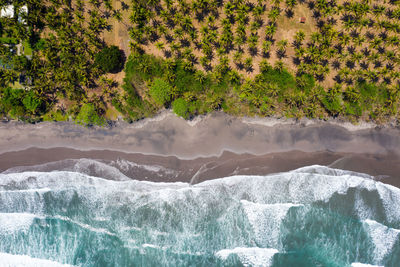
312,216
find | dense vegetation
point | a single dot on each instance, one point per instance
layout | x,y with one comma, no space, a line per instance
246,57
65,37
255,57
110,59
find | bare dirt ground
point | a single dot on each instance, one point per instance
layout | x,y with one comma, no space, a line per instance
286,30
119,35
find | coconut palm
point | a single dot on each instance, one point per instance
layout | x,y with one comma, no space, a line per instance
234,77
279,66
248,64
199,76
274,13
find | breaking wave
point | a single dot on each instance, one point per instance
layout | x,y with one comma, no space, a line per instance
312,216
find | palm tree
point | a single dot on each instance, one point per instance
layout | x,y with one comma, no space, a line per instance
199,76
270,29
279,66
266,46
274,13
378,10
289,13
351,94
160,45
234,77
281,52
300,35
248,64
117,15
273,89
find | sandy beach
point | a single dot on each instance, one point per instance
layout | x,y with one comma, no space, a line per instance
208,147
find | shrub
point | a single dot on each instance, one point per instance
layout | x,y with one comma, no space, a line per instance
332,105
41,44
181,108
88,115
160,91
110,59
31,102
11,101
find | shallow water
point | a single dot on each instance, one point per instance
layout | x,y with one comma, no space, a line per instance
313,216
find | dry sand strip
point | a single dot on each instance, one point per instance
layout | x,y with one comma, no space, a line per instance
168,135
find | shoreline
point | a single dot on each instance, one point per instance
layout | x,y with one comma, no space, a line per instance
107,163
211,146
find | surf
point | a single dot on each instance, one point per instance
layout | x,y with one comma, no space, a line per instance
309,216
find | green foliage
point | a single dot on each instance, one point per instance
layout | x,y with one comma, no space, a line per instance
68,60
27,48
181,108
161,91
353,109
142,67
20,63
8,40
332,104
31,102
118,105
305,82
11,102
283,79
367,90
89,115
55,116
41,44
185,81
110,59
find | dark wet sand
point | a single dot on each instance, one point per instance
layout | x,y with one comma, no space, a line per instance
215,146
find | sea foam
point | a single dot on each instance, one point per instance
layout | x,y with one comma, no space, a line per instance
258,257
8,260
383,237
12,222
266,220
238,215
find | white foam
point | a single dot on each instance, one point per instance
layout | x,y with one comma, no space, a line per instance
273,121
357,264
159,117
126,165
390,197
268,200
266,220
13,222
150,246
33,181
305,185
193,122
86,226
103,170
8,260
269,122
35,190
383,237
354,127
250,256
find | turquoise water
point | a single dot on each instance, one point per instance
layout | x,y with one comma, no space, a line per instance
314,216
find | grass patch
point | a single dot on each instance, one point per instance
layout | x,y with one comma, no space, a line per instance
27,48
8,40
55,116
